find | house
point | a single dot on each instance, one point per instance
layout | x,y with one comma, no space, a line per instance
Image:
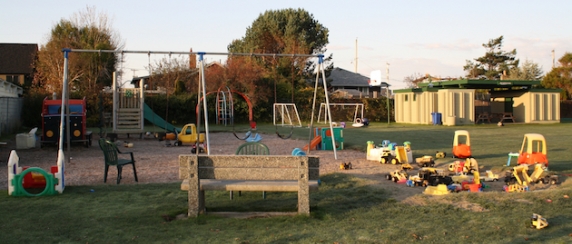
187,75
348,84
16,62
461,102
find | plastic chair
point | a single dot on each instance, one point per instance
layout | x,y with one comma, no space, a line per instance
252,148
110,152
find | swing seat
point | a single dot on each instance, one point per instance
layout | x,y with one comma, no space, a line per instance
255,138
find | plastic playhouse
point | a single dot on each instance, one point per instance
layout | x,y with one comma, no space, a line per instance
323,139
51,118
34,181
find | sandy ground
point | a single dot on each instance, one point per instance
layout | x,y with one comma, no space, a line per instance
157,162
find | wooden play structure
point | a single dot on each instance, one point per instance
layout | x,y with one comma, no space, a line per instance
128,107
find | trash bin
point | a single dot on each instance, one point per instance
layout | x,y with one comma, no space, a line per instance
436,118
451,120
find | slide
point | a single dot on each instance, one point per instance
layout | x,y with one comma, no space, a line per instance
152,117
313,143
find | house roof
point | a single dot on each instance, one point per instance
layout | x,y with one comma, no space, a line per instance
17,58
341,77
481,84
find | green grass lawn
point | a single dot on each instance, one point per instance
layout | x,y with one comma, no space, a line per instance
345,210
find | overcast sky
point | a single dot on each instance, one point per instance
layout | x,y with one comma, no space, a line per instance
414,37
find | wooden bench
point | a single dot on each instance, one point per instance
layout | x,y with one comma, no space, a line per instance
485,116
248,173
507,116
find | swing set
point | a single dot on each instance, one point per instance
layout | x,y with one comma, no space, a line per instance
202,83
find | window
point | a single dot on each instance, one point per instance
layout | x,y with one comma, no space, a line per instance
13,79
406,97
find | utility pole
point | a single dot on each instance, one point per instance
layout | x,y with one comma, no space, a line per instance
553,58
387,95
355,60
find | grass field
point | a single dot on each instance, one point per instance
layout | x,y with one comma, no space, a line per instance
345,210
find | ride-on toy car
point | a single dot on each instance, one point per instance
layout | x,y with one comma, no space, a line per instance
533,150
462,144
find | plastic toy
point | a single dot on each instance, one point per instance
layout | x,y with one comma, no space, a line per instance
475,185
428,176
440,154
538,222
468,166
346,166
397,176
519,175
425,161
22,179
394,154
460,149
533,150
490,176
51,118
440,189
189,135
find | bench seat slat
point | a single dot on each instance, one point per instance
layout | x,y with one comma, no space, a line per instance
241,185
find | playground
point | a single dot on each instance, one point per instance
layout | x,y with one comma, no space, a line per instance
346,200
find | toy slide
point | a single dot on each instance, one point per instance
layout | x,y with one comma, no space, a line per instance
155,119
313,143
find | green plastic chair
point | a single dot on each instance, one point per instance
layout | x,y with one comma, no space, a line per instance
110,152
252,148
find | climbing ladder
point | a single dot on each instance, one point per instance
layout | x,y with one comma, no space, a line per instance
224,108
128,106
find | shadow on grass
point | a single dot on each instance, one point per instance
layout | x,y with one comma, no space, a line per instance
338,193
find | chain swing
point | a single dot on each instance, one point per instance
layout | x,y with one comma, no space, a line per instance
276,101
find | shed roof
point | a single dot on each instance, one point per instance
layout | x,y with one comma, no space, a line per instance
481,84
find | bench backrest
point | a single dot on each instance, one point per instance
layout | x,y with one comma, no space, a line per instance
249,167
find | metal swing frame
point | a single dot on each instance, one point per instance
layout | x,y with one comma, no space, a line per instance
202,84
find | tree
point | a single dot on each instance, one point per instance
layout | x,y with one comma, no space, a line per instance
561,76
167,71
527,71
412,80
87,72
287,31
494,63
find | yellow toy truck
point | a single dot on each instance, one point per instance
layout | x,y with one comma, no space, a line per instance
188,135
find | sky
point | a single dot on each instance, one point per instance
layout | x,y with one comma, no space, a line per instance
403,37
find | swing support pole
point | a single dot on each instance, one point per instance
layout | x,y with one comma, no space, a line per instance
202,82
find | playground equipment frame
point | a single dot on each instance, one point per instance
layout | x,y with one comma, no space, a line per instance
358,105
202,83
282,109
